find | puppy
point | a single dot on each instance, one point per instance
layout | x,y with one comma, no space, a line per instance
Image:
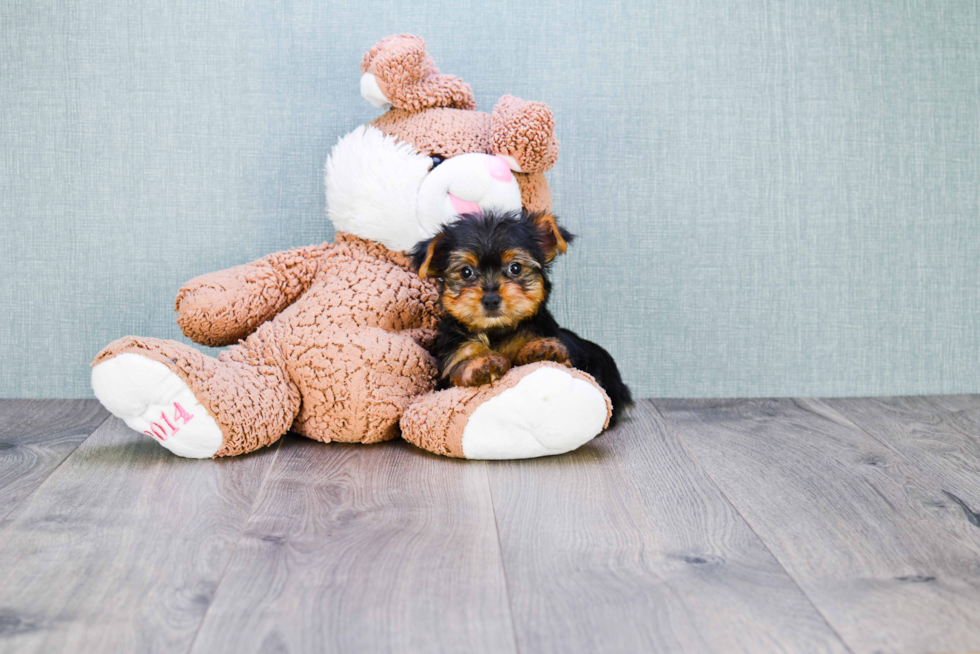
492,272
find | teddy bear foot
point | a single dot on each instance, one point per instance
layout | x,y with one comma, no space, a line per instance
535,410
548,412
152,399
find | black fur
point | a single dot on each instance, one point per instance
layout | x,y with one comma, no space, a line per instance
488,236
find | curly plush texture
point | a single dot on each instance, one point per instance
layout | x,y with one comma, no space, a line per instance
331,340
341,363
245,390
437,421
525,131
451,132
409,79
535,192
446,132
270,285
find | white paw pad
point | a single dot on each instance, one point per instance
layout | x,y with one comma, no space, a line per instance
152,399
548,412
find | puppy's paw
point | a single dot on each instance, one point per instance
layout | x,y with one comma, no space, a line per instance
480,370
544,349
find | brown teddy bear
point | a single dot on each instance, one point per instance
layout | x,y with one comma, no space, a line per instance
330,340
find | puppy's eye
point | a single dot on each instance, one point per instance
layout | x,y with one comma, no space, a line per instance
515,268
466,272
436,160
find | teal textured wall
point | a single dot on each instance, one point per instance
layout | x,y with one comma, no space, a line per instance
772,198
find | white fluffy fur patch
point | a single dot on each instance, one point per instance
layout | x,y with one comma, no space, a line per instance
380,188
371,92
373,183
152,400
466,177
548,412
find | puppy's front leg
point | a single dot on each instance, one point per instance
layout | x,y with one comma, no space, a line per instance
475,364
543,349
479,371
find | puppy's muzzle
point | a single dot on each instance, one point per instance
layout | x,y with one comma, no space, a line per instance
491,302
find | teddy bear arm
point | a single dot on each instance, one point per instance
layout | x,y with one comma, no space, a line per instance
222,307
417,313
424,336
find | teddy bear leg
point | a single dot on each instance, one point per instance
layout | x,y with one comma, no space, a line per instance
194,405
535,410
357,383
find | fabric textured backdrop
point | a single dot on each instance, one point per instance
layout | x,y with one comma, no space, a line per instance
772,198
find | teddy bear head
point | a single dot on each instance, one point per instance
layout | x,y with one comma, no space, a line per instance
432,156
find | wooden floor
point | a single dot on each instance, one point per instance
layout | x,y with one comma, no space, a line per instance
696,526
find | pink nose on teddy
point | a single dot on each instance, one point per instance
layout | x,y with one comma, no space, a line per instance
498,168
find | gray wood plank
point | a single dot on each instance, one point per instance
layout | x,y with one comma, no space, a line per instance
960,405
957,403
627,546
865,533
356,548
35,437
121,549
943,443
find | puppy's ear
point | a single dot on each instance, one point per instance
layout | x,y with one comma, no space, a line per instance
554,239
422,256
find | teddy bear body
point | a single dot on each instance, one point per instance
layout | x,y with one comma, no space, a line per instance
329,341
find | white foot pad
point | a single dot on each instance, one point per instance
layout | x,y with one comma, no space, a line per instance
151,399
548,412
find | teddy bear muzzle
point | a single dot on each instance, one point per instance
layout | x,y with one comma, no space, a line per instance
467,183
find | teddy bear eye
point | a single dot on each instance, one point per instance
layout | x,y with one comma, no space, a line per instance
436,160
515,268
466,272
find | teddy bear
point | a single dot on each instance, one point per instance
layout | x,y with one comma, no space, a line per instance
329,341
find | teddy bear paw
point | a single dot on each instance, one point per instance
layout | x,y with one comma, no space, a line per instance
152,399
549,411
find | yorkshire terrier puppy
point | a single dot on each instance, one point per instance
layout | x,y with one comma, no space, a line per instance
492,272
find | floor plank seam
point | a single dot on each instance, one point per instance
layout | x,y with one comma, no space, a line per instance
231,556
964,414
748,523
3,519
854,425
500,555
971,516
897,453
931,401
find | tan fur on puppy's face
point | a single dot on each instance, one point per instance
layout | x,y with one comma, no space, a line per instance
521,293
466,307
520,302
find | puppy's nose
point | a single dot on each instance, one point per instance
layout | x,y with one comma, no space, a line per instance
491,301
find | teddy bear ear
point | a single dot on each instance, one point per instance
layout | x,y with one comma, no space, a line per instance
523,133
398,72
